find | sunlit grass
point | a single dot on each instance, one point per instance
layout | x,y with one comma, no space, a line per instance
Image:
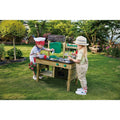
103,78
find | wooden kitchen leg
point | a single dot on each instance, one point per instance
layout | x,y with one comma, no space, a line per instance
76,81
53,72
69,79
38,72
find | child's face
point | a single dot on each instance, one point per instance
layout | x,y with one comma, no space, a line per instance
40,46
79,46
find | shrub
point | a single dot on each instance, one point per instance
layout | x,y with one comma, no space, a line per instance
113,51
116,52
2,51
11,53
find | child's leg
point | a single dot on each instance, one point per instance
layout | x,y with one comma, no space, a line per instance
40,77
82,76
82,79
34,76
34,73
83,82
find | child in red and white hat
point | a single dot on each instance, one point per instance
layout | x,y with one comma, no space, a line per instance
35,52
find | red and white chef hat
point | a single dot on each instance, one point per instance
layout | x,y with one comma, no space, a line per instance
40,41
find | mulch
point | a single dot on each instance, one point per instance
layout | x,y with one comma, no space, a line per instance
7,60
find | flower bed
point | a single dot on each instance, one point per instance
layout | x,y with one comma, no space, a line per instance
113,51
33,67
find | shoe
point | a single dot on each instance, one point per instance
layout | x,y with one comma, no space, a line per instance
34,77
79,89
82,92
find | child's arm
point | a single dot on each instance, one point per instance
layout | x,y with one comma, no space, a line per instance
46,49
41,56
74,60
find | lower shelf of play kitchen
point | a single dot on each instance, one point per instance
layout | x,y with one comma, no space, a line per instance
47,73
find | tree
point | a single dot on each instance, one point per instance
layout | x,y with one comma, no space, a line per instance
37,27
113,30
60,27
12,28
93,30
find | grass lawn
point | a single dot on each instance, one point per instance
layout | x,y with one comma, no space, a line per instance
103,79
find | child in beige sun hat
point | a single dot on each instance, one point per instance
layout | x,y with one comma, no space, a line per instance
81,63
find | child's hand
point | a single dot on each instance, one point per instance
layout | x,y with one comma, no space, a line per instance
52,49
37,53
69,58
73,54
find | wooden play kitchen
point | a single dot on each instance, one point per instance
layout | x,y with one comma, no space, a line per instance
58,64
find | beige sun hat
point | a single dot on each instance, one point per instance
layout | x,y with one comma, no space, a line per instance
80,40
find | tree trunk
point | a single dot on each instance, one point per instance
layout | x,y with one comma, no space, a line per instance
110,42
38,33
92,44
95,37
87,36
92,41
14,48
41,28
37,29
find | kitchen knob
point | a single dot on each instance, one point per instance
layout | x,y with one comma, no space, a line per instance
57,64
65,65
